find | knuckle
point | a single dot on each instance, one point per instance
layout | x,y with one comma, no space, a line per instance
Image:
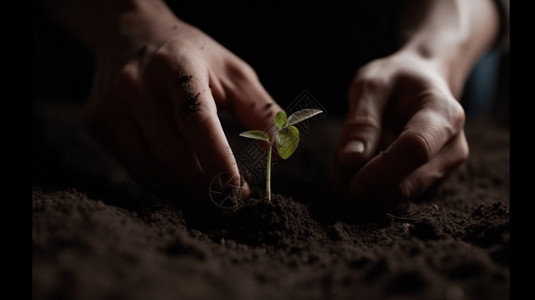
163,57
457,115
127,79
170,61
368,82
421,145
368,121
446,108
462,152
242,71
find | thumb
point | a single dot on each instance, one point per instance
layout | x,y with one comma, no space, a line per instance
361,131
248,100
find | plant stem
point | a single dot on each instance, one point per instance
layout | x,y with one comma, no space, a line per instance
268,173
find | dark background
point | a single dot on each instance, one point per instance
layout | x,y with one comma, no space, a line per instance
293,47
315,46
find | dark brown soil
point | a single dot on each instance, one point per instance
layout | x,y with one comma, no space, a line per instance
113,241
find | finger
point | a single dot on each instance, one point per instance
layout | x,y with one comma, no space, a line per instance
424,136
196,117
168,163
450,158
247,98
362,128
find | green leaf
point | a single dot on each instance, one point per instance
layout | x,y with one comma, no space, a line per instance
287,140
301,115
256,134
280,119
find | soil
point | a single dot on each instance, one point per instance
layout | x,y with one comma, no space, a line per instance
96,235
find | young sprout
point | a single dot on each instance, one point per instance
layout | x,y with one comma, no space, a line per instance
286,139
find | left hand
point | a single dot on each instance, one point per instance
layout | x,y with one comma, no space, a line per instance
403,132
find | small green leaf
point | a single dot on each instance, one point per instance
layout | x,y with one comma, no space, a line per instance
301,115
280,119
287,140
256,134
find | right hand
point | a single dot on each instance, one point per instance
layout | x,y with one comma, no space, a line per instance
154,107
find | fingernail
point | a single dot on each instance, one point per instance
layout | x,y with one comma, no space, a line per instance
354,147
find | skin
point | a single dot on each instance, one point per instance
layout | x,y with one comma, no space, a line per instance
159,82
157,87
404,128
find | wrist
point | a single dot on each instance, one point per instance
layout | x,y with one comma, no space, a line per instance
452,34
448,63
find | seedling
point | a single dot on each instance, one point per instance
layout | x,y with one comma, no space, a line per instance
286,139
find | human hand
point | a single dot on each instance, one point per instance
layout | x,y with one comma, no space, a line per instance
154,106
403,132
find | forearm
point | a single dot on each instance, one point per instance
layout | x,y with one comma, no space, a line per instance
118,24
452,34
